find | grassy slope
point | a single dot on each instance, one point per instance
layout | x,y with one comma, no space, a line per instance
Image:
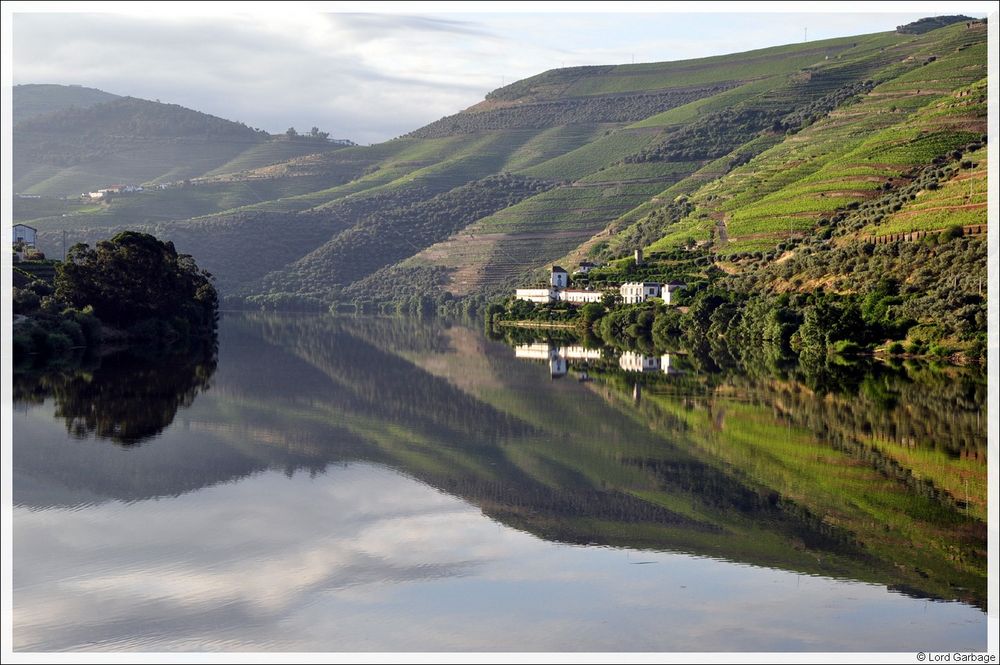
903,123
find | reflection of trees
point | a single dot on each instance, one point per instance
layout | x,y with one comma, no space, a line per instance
127,398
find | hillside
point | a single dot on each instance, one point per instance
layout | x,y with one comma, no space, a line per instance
78,148
38,99
745,154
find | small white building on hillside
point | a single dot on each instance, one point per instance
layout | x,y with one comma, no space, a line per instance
669,290
580,295
559,278
541,295
635,292
585,267
25,234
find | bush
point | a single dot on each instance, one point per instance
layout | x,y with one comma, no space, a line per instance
846,347
895,348
56,343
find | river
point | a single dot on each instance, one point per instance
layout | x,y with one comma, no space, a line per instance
376,484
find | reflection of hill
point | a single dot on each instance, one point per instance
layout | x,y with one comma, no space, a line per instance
718,471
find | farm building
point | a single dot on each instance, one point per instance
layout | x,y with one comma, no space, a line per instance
542,295
25,234
559,278
635,292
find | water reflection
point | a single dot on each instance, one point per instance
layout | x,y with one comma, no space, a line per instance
125,397
882,482
560,357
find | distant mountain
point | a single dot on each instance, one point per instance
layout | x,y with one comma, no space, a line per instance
136,141
36,99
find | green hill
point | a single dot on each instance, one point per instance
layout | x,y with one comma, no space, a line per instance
135,141
766,147
36,99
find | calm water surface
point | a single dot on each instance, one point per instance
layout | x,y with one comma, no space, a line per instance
375,484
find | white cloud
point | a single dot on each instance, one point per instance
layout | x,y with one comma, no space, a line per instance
361,558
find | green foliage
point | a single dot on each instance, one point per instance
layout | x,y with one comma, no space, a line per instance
573,110
134,279
928,23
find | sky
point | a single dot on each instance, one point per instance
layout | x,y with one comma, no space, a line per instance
372,71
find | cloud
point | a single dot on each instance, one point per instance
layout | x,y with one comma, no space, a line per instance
362,558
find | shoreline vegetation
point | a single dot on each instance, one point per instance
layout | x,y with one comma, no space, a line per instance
131,290
893,309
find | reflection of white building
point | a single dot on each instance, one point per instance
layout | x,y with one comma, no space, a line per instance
578,352
557,357
636,362
536,351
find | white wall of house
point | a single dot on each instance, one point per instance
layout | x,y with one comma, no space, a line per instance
579,295
635,292
25,234
559,279
669,290
536,295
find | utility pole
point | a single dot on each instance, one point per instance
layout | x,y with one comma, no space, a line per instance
64,245
805,34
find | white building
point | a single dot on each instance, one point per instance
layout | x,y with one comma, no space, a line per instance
585,267
537,295
24,233
580,295
559,278
668,291
634,292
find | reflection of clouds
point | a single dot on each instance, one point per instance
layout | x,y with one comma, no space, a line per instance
362,559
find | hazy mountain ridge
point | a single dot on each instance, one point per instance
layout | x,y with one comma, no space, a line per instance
38,99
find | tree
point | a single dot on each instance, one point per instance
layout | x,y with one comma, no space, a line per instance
291,133
316,134
135,278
